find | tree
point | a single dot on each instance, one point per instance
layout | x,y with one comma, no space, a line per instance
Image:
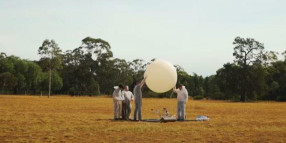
20,68
98,56
257,87
276,80
2,56
269,57
86,68
8,81
56,84
98,47
247,52
185,79
197,85
33,77
229,81
51,52
211,87
284,53
137,67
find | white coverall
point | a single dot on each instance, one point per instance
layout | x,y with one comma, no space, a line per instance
117,99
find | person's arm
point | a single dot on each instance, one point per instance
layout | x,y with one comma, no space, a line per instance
187,96
134,94
118,96
175,90
115,95
122,98
132,97
143,82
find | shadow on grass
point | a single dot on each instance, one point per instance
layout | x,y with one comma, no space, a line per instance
145,120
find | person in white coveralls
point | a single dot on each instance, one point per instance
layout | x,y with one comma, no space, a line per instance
117,100
182,96
128,96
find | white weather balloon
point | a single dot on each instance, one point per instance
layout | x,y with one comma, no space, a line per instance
161,76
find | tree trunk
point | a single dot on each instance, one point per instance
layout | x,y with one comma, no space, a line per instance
50,83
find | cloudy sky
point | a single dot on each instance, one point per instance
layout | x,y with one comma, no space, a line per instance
196,34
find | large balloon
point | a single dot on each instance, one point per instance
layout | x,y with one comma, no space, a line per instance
161,76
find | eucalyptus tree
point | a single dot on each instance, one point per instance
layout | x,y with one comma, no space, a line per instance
247,52
51,55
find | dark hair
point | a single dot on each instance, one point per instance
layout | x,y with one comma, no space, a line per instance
138,81
120,86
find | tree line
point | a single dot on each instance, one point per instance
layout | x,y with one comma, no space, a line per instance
91,69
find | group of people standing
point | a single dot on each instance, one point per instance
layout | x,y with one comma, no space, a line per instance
122,99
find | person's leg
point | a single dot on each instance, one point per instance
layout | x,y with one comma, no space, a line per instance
123,110
116,110
120,109
140,111
128,110
184,110
136,110
178,110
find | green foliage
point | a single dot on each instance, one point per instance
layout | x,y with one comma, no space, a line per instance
218,96
198,97
52,59
193,83
25,75
91,70
284,54
57,81
247,52
50,53
8,81
276,80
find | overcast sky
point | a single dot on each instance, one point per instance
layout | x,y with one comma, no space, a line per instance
195,34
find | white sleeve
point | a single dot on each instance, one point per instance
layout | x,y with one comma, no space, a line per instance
176,90
113,94
117,95
187,96
122,95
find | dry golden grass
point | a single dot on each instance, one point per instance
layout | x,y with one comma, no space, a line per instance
89,119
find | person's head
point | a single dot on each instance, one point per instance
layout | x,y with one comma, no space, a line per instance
121,86
127,88
138,82
181,86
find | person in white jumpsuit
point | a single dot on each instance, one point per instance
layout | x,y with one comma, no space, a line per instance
117,99
182,96
128,96
138,100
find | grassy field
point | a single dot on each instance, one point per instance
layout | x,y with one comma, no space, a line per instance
89,119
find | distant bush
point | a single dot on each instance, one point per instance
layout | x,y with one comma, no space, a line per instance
281,98
218,96
198,97
235,97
